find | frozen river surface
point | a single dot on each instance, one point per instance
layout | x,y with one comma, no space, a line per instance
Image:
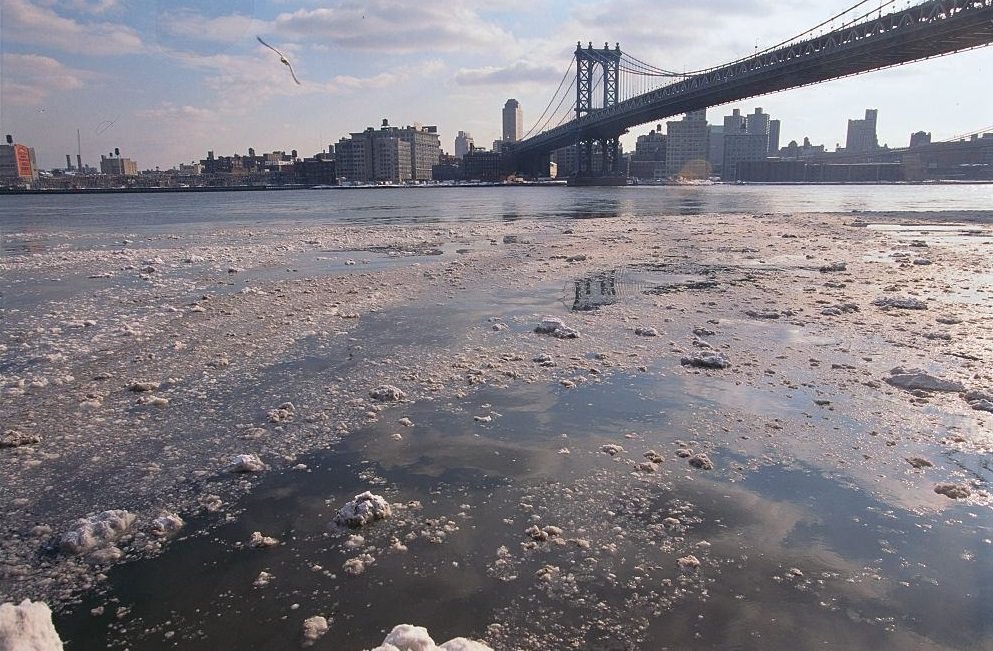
546,492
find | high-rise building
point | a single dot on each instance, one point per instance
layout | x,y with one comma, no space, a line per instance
862,134
757,123
774,127
686,146
513,121
715,148
463,143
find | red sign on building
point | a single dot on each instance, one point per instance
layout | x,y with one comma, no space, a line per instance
22,156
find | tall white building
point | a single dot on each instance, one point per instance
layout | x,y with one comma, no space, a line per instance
513,121
463,143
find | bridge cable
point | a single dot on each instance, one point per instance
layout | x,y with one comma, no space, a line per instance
549,105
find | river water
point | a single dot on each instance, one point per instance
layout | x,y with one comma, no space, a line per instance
795,554
426,205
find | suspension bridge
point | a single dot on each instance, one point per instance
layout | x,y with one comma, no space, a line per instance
609,94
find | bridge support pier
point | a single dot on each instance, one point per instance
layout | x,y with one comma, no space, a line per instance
597,156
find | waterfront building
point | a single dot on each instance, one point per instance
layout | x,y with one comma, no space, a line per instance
482,165
565,160
116,165
425,149
388,154
920,138
861,137
17,163
686,146
463,143
317,170
649,156
513,121
715,148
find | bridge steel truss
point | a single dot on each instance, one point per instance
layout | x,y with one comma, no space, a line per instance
589,144
930,29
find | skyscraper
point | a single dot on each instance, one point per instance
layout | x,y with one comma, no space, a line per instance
463,143
513,121
862,134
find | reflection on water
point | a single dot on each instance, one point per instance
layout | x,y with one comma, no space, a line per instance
791,557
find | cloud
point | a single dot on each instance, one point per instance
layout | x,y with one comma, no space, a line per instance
172,112
388,26
192,31
27,22
31,78
514,74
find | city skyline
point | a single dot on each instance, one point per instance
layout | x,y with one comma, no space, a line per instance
166,85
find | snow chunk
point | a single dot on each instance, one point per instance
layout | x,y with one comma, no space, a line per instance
96,531
701,461
406,637
900,303
556,327
260,541
953,491
706,359
142,387
646,332
13,438
834,266
28,627
314,628
914,378
688,563
611,449
246,463
387,393
166,525
365,508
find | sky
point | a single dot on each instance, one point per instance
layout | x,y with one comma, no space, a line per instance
167,80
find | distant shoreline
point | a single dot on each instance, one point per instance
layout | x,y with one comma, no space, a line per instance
263,188
276,188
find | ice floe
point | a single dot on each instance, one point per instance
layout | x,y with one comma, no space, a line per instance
96,531
365,508
28,627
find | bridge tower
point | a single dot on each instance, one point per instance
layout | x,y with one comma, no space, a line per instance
588,62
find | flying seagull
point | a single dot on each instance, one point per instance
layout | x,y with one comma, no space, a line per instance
282,59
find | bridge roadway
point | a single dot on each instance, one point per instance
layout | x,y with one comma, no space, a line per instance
926,30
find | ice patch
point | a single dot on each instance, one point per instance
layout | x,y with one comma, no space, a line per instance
246,463
914,378
387,393
28,627
900,303
97,531
556,327
314,628
706,359
406,637
13,438
166,525
365,508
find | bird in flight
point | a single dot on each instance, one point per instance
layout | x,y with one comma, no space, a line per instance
282,59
